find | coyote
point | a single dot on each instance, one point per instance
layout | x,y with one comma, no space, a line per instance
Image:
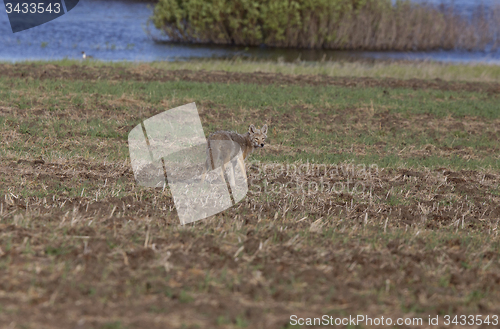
225,145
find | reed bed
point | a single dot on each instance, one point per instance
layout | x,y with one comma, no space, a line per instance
339,24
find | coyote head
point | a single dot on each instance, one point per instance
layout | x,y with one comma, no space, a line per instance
257,136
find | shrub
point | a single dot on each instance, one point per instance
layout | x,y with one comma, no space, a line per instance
327,24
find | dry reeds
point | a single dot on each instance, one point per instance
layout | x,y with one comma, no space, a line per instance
340,24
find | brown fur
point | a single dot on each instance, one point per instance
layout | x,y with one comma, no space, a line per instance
219,154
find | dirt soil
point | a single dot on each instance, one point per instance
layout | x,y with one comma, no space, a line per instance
73,262
148,73
307,240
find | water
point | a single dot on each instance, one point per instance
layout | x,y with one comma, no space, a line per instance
463,6
116,30
106,30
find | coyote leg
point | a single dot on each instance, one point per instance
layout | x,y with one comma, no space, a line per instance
242,167
222,172
204,176
232,178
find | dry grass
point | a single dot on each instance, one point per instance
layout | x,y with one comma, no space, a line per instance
409,244
353,25
329,68
398,70
82,246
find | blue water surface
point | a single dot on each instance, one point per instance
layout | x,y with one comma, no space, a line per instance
117,30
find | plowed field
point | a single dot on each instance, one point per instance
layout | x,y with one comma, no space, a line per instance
373,197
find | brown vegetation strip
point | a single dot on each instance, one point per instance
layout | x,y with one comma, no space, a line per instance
342,25
147,73
123,262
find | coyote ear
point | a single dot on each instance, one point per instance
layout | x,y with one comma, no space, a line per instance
252,129
264,129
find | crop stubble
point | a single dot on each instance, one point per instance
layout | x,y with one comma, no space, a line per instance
90,249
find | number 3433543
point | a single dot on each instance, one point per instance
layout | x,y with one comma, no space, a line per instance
471,320
33,8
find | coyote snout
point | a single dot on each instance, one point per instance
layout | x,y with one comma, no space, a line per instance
258,136
220,152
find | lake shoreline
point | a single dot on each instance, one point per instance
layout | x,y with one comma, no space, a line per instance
69,35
